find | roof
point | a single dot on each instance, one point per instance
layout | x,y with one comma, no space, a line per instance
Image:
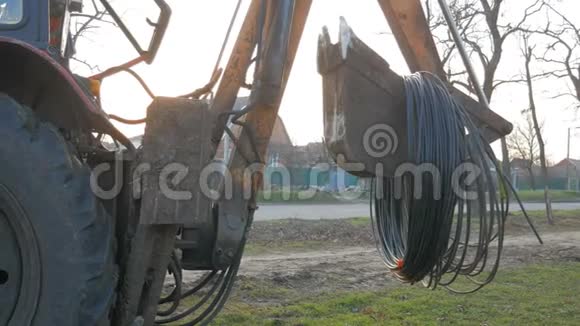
279,133
568,161
522,163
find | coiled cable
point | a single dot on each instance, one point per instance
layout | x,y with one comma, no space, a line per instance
444,217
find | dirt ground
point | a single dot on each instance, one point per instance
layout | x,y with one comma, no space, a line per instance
332,256
362,268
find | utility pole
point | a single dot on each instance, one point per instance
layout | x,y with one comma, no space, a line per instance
568,159
568,163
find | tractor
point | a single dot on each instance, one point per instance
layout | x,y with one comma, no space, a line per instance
89,232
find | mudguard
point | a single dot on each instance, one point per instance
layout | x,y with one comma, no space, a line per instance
35,79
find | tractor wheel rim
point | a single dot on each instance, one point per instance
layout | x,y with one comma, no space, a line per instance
19,263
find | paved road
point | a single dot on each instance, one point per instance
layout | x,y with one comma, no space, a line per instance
336,211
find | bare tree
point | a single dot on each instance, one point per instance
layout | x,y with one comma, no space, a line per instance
484,36
523,145
528,52
83,24
562,53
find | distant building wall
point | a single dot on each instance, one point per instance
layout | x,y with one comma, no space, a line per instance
557,176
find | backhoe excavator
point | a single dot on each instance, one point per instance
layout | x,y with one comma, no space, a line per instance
89,233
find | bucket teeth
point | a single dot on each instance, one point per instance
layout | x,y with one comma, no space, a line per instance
345,36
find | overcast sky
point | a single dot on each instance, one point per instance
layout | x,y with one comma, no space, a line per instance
197,29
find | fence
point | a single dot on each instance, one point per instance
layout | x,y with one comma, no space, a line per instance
332,179
556,183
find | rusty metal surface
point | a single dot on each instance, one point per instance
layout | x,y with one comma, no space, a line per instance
492,125
411,30
150,252
160,242
266,87
236,212
176,147
363,99
235,72
365,123
261,119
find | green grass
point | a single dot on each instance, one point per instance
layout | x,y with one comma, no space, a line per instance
562,218
263,248
565,220
296,196
260,290
359,221
534,295
556,195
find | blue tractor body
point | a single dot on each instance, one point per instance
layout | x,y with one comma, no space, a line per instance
26,20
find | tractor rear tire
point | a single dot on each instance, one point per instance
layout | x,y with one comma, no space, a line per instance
56,239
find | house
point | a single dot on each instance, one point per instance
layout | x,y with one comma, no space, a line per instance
280,150
568,169
565,166
520,167
311,154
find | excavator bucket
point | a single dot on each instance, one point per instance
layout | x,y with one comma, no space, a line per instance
361,94
364,103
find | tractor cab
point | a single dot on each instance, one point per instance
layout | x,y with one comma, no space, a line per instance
45,24
11,12
41,23
36,45
25,20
